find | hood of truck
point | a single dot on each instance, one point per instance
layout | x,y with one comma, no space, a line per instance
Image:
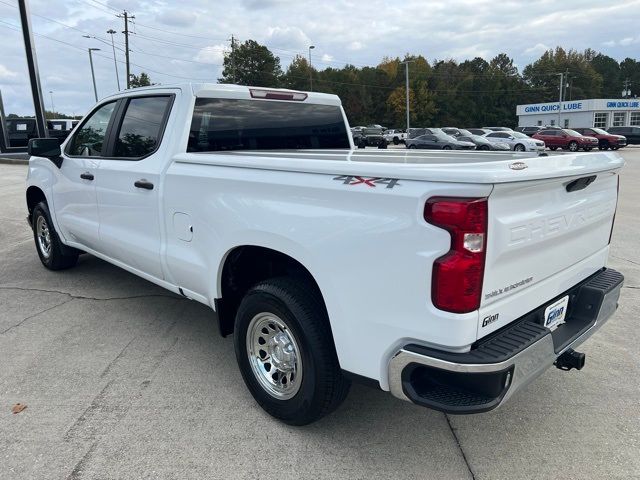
447,166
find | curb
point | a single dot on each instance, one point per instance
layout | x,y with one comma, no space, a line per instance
14,161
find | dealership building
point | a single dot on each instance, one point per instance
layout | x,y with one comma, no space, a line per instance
595,112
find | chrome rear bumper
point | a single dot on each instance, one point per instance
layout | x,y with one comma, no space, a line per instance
472,383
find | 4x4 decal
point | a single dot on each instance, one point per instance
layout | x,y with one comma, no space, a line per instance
367,181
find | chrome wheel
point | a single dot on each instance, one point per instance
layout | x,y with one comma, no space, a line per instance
274,356
573,147
44,236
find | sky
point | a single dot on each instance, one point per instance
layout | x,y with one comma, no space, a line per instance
185,41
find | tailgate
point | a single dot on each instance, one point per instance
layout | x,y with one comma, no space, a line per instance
544,236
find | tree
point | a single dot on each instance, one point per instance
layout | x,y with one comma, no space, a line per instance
251,64
143,80
297,75
609,70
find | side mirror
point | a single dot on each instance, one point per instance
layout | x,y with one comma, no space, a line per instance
511,137
46,147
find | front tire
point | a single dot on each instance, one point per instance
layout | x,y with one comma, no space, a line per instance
52,252
573,146
519,148
446,147
285,351
553,149
396,141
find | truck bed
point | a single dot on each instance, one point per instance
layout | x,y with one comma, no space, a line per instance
452,166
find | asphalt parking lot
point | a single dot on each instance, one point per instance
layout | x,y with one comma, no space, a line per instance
124,380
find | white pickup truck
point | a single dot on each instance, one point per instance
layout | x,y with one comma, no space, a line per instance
395,136
450,279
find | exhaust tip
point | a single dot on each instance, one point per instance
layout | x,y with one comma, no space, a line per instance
570,359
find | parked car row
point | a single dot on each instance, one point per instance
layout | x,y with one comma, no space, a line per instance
613,137
522,139
487,138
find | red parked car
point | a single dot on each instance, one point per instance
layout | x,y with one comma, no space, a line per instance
605,140
566,139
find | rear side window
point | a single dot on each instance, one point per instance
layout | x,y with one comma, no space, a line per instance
141,126
230,124
89,139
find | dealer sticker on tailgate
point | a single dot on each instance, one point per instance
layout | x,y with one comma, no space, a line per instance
554,314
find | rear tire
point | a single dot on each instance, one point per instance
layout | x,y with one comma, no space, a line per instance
411,146
446,147
52,252
553,149
285,351
396,140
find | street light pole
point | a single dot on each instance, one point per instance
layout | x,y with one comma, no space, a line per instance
560,97
311,47
406,80
53,108
111,31
93,75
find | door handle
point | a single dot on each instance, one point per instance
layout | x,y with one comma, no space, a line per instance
144,183
86,176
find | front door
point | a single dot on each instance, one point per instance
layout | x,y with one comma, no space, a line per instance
128,186
74,189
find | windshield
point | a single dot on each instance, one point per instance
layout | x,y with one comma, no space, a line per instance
599,131
465,132
572,133
518,135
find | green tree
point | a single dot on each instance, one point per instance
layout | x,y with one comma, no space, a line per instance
297,75
609,70
142,80
250,63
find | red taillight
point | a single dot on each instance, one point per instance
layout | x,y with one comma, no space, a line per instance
456,284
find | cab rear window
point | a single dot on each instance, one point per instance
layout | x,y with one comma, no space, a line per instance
220,124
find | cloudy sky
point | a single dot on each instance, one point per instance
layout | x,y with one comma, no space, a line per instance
186,40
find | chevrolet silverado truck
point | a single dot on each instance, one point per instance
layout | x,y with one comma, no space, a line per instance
450,279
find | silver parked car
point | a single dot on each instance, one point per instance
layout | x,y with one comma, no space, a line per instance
439,141
517,141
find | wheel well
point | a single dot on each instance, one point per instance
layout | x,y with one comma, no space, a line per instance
34,197
244,267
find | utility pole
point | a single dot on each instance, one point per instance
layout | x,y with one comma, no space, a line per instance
53,108
126,17
111,32
406,81
311,47
233,59
626,92
93,75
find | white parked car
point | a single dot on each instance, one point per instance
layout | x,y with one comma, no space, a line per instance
519,142
450,279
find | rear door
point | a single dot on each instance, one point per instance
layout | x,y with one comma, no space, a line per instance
128,183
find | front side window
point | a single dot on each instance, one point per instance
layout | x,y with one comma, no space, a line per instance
89,139
600,120
141,127
229,124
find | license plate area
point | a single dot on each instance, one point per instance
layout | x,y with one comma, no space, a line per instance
554,314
